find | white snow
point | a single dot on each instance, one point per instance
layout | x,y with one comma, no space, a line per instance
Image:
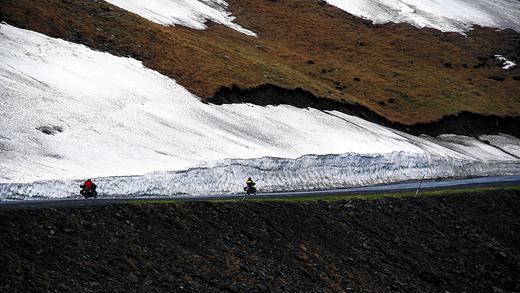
271,174
471,147
506,142
119,118
505,63
190,13
444,15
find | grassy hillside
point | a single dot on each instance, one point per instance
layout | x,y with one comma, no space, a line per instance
404,74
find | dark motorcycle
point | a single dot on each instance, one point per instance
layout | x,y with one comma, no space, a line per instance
250,189
88,192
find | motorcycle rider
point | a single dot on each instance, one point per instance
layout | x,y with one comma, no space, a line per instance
250,185
88,187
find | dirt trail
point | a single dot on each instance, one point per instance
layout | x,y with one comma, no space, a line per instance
463,243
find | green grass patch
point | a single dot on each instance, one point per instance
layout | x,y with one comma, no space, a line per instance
152,201
334,198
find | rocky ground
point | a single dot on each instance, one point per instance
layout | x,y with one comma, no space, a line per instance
460,243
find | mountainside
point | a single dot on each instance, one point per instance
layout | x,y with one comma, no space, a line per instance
405,74
299,93
133,120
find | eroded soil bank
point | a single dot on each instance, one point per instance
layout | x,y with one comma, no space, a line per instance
464,123
459,243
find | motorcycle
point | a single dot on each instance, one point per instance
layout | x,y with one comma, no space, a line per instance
250,189
88,192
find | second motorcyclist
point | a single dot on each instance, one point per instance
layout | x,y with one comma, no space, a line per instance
88,189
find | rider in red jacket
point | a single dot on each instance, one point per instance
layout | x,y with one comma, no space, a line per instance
88,184
88,188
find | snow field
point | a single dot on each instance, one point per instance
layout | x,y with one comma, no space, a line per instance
445,15
69,112
190,13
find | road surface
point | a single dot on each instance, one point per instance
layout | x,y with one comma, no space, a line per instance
376,189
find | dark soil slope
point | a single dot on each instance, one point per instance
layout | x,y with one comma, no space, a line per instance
464,123
466,243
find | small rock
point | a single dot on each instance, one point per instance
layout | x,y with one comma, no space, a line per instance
133,278
244,267
50,129
302,257
262,287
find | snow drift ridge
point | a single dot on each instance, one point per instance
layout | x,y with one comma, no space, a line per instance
309,172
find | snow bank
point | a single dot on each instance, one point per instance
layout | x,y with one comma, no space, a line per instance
190,13
444,15
272,174
478,149
71,112
505,63
504,141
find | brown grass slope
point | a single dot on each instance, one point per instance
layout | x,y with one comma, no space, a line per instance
404,74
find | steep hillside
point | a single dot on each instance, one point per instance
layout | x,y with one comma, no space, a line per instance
459,243
71,112
397,71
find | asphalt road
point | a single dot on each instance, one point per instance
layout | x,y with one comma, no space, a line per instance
375,189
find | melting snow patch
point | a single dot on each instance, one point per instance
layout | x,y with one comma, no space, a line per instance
444,15
505,63
190,13
474,148
507,142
